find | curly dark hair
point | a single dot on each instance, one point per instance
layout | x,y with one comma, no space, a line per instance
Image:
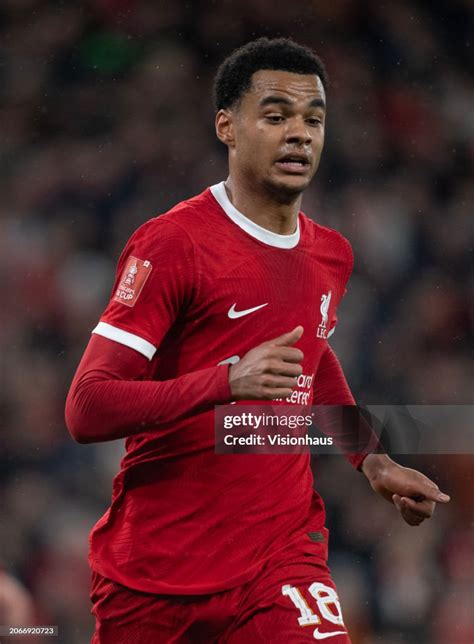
234,75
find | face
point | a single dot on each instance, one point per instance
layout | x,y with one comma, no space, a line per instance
275,134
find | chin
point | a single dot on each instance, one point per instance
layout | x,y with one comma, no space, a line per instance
288,189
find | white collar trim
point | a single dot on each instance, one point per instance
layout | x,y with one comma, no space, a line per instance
249,226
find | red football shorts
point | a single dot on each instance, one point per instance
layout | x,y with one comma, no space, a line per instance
293,599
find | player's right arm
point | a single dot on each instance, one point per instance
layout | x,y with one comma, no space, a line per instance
109,399
110,396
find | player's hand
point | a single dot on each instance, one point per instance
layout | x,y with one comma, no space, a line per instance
269,370
414,495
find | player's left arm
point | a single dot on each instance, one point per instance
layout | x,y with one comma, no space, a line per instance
337,414
413,494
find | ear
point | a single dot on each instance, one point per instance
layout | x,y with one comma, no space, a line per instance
225,127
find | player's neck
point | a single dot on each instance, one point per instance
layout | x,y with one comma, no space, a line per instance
280,218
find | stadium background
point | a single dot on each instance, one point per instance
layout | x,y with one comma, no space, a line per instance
105,121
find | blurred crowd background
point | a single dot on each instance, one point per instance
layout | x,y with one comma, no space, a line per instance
106,120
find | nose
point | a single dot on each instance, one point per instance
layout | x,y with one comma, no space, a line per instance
298,132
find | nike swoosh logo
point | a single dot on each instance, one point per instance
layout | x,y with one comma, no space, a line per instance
233,314
322,636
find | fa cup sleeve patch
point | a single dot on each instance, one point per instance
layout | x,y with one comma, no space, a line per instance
133,280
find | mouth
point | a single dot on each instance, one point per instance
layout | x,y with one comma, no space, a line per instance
294,163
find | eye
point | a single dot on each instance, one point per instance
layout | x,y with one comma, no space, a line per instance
314,121
275,118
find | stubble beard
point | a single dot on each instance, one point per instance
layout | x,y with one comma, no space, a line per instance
283,193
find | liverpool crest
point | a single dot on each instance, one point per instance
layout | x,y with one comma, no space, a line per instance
324,308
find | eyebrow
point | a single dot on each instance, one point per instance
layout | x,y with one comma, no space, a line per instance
271,100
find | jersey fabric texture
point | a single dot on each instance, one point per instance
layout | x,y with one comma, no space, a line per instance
213,285
292,599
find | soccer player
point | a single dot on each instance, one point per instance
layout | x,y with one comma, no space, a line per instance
229,296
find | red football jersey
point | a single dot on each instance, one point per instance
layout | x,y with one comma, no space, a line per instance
196,287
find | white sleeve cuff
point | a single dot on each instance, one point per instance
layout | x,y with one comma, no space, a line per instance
124,337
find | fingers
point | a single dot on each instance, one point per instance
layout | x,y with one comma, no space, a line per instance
416,485
276,393
433,493
278,386
288,354
428,490
288,339
423,509
269,370
279,367
405,511
413,512
279,382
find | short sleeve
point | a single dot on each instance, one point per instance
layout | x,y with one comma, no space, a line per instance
153,284
346,273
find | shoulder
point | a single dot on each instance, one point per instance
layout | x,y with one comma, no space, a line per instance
190,215
176,228
333,241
